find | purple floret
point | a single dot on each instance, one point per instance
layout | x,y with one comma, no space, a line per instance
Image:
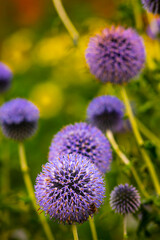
152,6
154,29
106,113
125,199
116,55
5,77
84,139
19,118
70,189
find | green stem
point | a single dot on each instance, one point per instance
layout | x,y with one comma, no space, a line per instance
137,14
74,230
140,142
66,21
126,161
28,183
125,227
93,228
146,132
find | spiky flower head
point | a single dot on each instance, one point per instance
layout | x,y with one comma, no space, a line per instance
116,55
70,189
19,118
125,199
106,112
84,139
154,29
5,77
152,6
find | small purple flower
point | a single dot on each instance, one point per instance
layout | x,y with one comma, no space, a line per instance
5,77
152,6
116,55
70,189
106,112
154,29
125,199
19,118
84,139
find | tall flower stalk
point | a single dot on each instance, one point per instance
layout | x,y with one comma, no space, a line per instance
66,21
75,233
19,121
140,142
30,190
127,162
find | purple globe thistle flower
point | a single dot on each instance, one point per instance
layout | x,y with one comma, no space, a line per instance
19,118
152,6
70,189
125,199
154,29
5,77
84,139
106,112
116,55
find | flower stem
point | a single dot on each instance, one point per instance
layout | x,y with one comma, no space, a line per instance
66,21
126,161
28,183
125,227
146,132
137,14
93,228
140,142
74,230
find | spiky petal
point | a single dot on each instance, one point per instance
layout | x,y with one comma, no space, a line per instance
84,139
70,188
116,55
124,199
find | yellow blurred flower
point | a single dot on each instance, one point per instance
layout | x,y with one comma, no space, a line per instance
16,50
50,50
49,99
152,51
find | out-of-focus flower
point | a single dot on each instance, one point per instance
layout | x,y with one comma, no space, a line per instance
125,199
70,189
152,6
106,112
153,29
84,139
51,50
152,52
49,99
16,50
116,55
5,77
19,118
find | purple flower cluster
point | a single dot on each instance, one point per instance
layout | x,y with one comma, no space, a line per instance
125,199
5,77
70,189
106,112
19,118
154,29
116,55
152,6
83,139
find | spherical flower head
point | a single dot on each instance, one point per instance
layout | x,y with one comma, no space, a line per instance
154,29
5,77
70,189
19,118
152,6
84,139
106,112
125,199
116,55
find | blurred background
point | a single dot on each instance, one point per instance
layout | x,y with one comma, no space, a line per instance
50,71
